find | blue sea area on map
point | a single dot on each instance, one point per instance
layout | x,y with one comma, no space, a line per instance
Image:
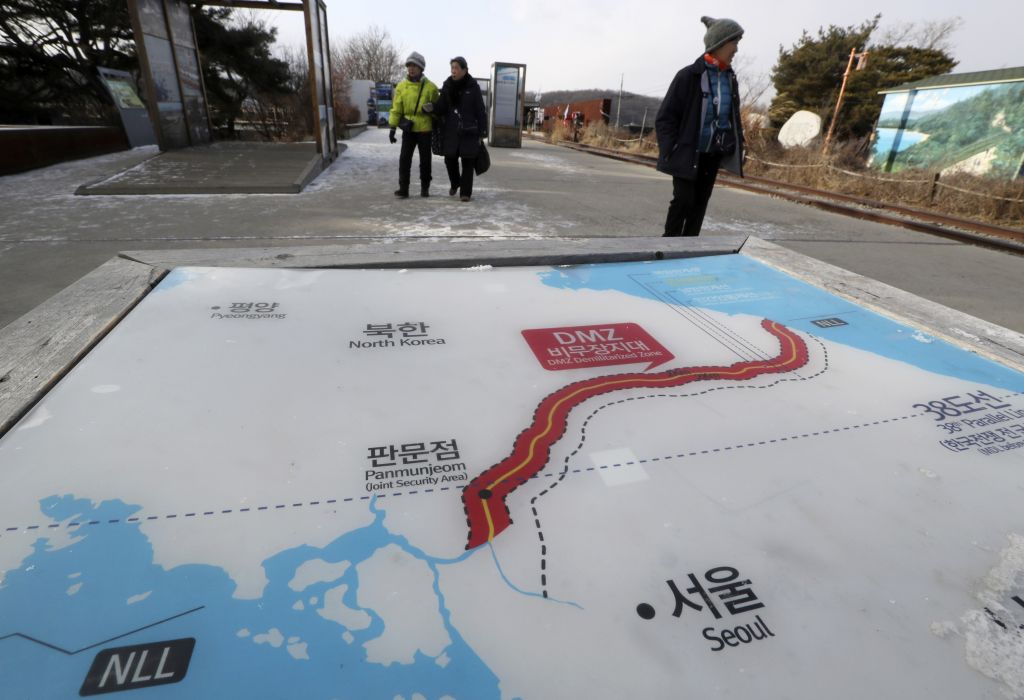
86,586
175,278
737,284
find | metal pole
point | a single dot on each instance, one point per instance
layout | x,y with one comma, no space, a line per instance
839,101
618,107
642,125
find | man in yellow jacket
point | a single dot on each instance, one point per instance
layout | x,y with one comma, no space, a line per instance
408,115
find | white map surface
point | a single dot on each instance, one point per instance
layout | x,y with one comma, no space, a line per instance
273,464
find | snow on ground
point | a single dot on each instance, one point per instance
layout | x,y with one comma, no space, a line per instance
352,198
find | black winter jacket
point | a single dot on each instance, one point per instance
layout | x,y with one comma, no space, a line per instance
464,118
681,116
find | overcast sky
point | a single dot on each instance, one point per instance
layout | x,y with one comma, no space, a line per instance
591,43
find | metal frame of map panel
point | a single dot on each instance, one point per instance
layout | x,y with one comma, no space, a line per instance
195,106
39,348
186,121
331,148
316,69
166,26
148,21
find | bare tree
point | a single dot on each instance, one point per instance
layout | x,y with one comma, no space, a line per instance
935,34
754,85
297,107
370,55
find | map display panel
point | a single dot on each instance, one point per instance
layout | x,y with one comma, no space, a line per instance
699,477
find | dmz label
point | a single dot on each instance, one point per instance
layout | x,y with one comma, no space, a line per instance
595,346
139,666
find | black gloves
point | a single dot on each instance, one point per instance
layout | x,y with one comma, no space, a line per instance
391,136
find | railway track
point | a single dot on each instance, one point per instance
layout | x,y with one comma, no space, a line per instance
963,230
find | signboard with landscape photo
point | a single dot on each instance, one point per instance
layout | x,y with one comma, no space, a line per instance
974,129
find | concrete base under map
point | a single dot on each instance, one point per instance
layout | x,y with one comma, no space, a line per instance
222,168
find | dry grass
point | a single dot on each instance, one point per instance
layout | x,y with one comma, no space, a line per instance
843,171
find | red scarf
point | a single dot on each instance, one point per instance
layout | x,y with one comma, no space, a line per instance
720,65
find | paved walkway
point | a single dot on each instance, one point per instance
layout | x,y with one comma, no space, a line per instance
49,237
221,168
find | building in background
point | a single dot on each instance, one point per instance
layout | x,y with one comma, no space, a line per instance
587,110
968,122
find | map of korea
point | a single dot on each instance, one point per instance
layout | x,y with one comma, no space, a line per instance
485,497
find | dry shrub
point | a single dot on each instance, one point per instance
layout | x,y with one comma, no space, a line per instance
843,171
605,136
559,132
1004,202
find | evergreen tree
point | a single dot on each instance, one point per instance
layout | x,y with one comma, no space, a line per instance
808,76
49,53
888,66
237,63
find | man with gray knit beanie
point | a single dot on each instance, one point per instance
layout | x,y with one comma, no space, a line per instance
699,129
407,114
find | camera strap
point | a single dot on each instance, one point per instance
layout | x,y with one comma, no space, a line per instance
423,79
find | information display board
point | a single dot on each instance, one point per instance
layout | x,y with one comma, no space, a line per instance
505,106
169,57
132,110
506,96
693,478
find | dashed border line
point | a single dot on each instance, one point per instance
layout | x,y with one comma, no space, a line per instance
583,437
690,394
136,519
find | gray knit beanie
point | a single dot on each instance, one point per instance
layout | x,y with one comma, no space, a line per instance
417,59
720,31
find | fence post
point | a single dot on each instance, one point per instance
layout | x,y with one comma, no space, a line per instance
935,188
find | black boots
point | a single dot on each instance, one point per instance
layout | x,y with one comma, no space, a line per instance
403,189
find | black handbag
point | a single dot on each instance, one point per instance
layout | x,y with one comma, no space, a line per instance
437,138
483,160
723,142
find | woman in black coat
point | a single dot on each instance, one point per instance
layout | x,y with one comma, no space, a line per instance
699,127
461,107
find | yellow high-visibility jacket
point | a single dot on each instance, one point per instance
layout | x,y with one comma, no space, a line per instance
407,97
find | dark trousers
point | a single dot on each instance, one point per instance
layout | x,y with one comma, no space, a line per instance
463,181
411,141
690,198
